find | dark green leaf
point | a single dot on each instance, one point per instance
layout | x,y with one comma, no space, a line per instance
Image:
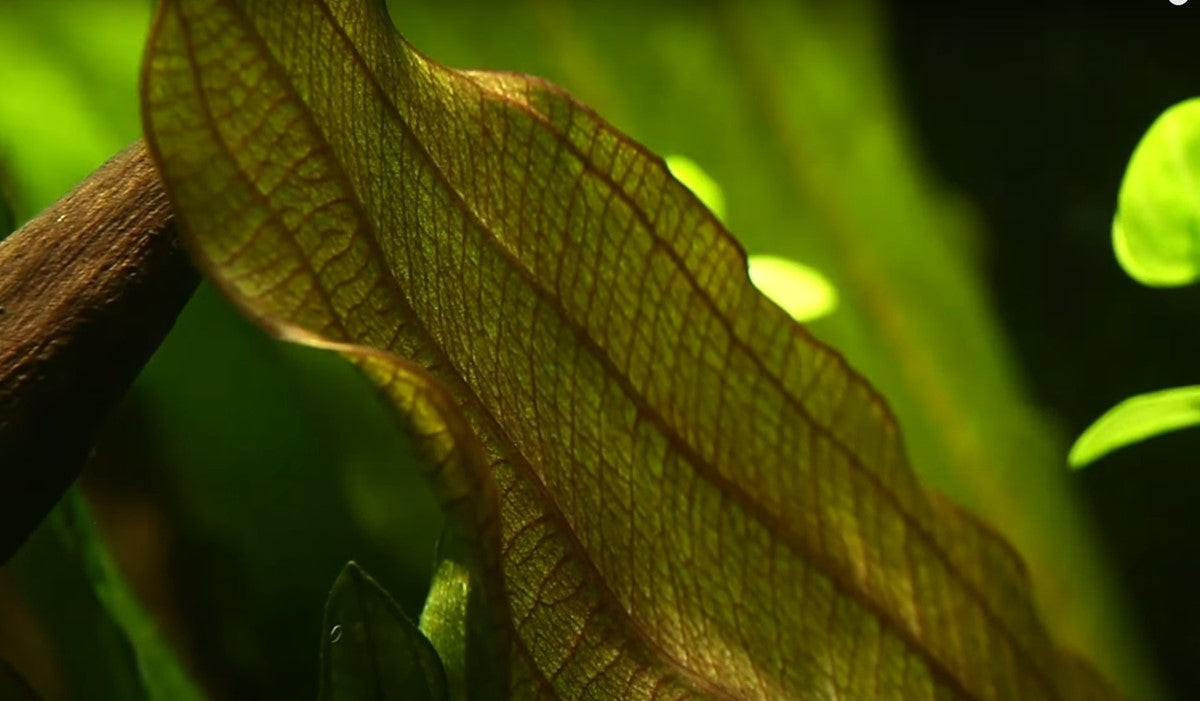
163,678
371,650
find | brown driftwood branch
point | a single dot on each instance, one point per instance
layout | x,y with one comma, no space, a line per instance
88,290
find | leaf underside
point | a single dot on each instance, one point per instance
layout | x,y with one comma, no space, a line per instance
677,491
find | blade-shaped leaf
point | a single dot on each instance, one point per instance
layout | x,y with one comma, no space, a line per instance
163,678
1136,419
457,622
370,649
680,493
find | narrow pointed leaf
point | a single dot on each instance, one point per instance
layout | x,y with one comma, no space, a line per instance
371,650
458,624
1136,419
162,676
678,492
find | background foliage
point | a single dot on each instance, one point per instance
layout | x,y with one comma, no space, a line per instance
953,171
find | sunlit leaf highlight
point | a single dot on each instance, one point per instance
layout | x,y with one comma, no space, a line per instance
676,491
460,627
1156,232
1136,419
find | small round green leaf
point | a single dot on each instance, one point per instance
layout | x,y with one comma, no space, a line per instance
1136,419
803,292
1156,232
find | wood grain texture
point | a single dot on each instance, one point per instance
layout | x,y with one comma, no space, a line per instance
88,289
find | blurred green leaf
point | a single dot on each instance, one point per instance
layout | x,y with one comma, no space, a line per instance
1136,419
106,647
69,71
1156,232
371,650
8,221
163,678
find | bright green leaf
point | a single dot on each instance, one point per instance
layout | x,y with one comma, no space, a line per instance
699,182
460,628
80,60
444,622
371,650
1156,232
802,291
795,105
676,490
1136,419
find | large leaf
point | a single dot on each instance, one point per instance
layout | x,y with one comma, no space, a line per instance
678,492
796,109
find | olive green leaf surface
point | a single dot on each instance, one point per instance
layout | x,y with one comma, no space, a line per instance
370,649
458,623
795,108
677,491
